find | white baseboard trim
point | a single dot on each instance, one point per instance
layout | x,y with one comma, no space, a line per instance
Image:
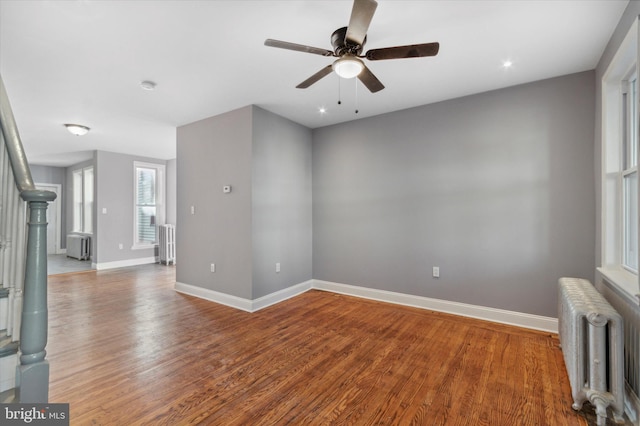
62,251
123,263
214,296
242,303
281,295
519,319
535,322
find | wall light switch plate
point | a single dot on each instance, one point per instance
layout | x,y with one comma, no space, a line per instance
226,189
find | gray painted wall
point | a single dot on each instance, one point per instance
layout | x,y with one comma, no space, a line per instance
212,153
265,219
281,203
48,174
496,189
114,191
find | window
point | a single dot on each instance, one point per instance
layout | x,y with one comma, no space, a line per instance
619,208
149,207
630,173
83,200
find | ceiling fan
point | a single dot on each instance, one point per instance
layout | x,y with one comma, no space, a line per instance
348,43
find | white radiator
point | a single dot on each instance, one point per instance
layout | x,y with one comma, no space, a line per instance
167,244
591,334
78,246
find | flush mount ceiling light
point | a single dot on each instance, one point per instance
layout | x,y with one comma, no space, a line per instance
348,66
77,129
148,85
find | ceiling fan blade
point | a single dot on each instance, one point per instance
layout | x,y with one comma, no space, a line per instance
400,52
370,81
361,16
297,47
314,78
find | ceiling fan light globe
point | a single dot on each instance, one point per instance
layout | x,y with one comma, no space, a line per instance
348,67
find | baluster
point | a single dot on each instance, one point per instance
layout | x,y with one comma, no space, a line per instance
19,236
3,207
12,254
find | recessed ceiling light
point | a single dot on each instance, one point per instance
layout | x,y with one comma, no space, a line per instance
77,129
148,85
322,110
507,64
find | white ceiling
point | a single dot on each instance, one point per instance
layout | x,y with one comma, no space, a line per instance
82,62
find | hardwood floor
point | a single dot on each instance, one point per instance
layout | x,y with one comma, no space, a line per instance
126,349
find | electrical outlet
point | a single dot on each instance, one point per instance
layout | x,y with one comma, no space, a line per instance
278,267
213,267
436,272
193,209
120,246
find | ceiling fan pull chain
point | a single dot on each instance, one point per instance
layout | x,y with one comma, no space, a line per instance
339,95
356,83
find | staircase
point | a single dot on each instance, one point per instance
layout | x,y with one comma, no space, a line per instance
23,271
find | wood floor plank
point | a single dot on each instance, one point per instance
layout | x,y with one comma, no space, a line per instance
126,349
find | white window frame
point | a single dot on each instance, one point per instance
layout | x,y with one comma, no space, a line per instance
160,205
79,224
629,220
616,164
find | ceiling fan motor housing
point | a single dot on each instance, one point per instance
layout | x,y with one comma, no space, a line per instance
342,47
